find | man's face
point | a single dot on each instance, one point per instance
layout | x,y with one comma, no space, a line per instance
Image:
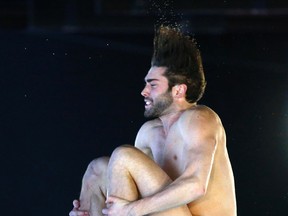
156,95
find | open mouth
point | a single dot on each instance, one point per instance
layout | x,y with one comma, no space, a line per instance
148,103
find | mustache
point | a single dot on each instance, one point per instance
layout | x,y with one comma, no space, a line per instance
148,99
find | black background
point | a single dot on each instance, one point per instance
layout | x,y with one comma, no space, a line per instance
70,86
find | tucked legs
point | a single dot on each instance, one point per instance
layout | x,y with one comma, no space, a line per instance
133,175
129,174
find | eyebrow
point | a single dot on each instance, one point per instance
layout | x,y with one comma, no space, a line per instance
151,80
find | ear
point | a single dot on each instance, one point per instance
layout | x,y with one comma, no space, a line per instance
179,91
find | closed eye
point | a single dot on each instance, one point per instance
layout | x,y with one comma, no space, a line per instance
152,82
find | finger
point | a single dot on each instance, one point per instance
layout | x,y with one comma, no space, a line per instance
105,211
78,213
76,204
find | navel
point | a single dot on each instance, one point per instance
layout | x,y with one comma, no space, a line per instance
175,157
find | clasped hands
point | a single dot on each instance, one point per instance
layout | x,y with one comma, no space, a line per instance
114,207
117,207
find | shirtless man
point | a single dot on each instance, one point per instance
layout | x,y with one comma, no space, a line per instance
179,165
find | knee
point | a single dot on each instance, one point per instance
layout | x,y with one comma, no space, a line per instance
123,151
97,167
123,155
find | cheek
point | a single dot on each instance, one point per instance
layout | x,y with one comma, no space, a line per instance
154,94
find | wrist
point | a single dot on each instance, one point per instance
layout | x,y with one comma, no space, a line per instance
135,208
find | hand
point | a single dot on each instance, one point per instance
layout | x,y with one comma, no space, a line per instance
76,212
117,207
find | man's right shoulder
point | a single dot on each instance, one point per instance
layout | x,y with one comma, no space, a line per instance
151,124
146,133
149,128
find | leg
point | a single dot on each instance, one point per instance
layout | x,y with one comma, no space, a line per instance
133,175
93,190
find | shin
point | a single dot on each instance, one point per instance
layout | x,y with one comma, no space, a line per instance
93,190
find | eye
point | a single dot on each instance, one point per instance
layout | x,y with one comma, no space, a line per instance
153,85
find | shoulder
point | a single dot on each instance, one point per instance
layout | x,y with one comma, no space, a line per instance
147,132
150,125
199,113
199,121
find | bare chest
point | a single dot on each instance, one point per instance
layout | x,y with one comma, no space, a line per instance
169,153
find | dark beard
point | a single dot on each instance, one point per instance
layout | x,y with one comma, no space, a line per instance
160,104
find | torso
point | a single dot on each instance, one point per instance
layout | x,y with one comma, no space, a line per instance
168,156
168,151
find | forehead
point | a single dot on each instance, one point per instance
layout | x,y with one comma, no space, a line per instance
156,73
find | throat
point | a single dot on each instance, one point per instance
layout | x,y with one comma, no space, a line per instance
168,121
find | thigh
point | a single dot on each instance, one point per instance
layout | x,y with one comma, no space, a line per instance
147,175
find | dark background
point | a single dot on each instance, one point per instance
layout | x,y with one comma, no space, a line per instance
71,73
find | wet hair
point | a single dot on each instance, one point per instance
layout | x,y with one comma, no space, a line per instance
180,54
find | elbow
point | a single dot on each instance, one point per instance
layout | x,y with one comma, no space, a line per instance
198,191
201,191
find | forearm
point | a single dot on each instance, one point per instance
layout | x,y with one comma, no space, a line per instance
174,195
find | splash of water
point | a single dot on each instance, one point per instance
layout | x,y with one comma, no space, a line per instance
165,14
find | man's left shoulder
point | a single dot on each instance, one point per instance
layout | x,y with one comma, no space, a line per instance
198,111
199,114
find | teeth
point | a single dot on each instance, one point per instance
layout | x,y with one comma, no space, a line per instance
147,102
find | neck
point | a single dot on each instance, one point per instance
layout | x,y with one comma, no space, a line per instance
169,118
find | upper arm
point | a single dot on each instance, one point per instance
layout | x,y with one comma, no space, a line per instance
142,142
199,130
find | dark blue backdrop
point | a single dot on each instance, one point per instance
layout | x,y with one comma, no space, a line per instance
67,98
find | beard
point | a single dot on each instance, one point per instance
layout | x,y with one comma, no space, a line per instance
159,105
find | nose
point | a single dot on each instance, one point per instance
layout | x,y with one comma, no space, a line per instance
145,92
